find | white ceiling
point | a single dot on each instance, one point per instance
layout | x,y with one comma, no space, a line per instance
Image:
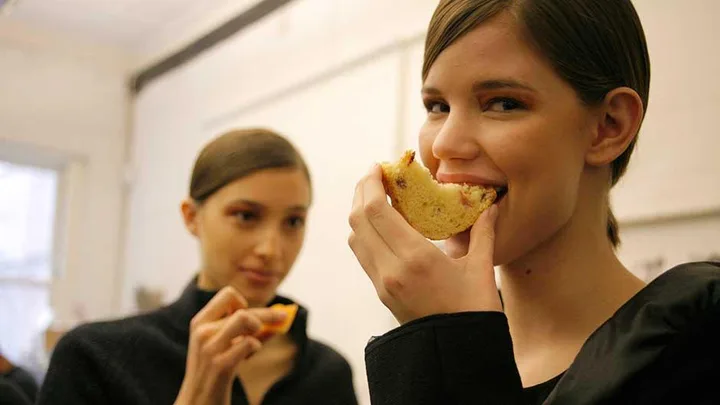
142,27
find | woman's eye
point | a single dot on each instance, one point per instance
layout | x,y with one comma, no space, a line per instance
434,107
296,222
246,216
504,105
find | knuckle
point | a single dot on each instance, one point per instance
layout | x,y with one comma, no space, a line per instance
416,261
225,292
254,344
241,315
254,326
374,209
236,300
249,323
203,333
391,284
207,351
385,297
235,294
194,324
218,363
355,219
358,186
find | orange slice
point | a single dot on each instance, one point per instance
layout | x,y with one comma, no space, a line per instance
282,327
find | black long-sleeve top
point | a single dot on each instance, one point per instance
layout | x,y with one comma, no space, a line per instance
661,347
141,361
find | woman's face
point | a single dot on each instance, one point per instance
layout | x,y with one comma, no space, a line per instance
498,115
251,232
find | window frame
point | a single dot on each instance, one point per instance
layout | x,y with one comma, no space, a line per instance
68,167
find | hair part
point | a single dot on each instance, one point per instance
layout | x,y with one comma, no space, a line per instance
595,46
240,153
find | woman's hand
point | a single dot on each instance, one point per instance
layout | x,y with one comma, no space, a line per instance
222,334
414,278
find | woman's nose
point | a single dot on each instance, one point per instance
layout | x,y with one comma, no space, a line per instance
457,138
268,245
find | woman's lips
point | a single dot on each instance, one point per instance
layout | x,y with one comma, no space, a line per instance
468,178
259,276
500,187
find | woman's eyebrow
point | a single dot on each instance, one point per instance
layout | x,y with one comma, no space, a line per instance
493,84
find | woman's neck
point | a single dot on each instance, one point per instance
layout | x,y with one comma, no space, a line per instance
558,294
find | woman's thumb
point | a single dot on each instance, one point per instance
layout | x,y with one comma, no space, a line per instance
482,239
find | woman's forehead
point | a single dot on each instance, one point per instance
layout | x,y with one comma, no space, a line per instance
285,189
493,52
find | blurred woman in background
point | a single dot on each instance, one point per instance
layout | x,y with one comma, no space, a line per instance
249,198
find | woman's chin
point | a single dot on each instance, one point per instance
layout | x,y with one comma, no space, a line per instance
255,296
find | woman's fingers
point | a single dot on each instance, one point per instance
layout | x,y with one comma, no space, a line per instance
242,348
393,229
481,249
412,277
226,302
222,365
365,242
247,322
218,343
479,262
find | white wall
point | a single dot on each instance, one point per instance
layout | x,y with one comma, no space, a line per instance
341,79
68,100
676,168
649,249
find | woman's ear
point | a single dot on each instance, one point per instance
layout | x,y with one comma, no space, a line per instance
621,114
189,210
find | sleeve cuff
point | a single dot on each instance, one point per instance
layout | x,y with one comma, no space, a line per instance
451,358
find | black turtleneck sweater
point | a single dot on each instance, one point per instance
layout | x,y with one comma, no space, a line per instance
660,348
141,361
11,394
22,381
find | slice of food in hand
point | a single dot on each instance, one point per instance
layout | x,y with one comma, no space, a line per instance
282,327
438,211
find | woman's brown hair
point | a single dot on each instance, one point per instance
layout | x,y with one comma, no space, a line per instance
594,45
239,153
